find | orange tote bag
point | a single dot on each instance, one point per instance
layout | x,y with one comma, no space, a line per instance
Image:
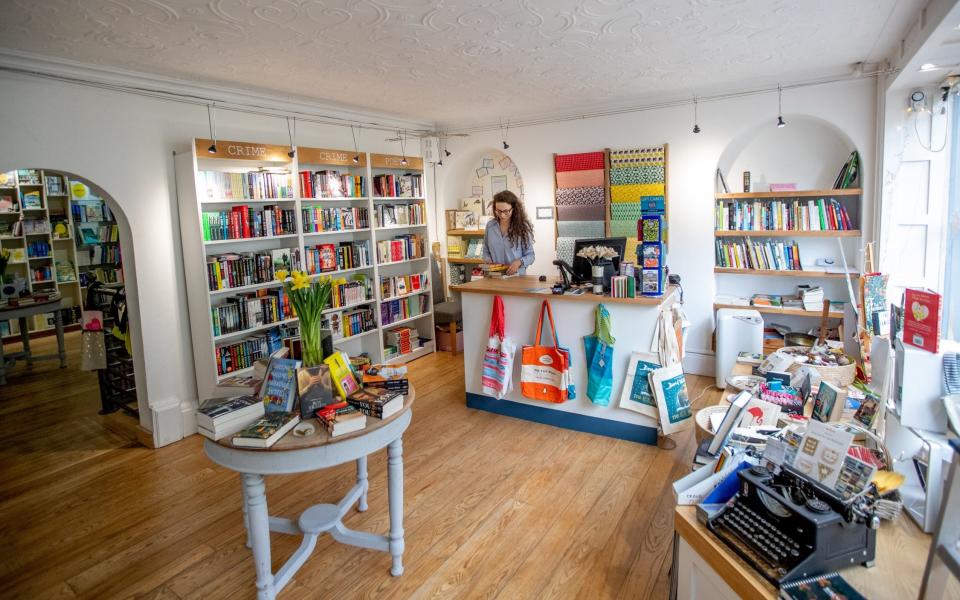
543,368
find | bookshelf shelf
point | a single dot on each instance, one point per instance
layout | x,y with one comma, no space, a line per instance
355,336
783,273
411,226
47,257
238,373
246,332
402,262
778,310
427,348
467,232
790,194
272,163
465,261
787,233
407,295
408,319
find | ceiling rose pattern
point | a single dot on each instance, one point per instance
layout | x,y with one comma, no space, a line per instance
458,60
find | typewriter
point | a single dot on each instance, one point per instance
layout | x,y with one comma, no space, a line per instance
787,527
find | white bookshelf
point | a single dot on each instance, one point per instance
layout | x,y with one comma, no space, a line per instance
246,157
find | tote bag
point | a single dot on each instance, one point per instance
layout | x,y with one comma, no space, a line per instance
497,374
543,369
599,352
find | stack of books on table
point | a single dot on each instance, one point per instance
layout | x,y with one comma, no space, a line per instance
377,403
812,297
222,419
392,379
341,418
265,432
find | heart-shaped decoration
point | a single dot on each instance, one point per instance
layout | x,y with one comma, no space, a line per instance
920,312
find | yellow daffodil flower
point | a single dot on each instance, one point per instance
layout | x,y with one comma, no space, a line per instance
281,274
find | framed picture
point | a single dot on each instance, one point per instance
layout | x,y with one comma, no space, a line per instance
544,213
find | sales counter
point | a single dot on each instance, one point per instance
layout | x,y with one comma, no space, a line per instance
633,321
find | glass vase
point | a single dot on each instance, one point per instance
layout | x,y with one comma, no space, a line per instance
311,343
597,272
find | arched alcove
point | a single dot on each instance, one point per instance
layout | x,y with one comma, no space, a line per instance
128,268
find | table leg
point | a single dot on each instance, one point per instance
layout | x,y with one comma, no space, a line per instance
246,516
362,480
3,366
61,347
395,489
255,493
25,338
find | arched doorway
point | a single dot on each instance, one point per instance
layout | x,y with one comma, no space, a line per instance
61,235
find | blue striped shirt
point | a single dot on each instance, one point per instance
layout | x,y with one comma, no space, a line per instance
498,249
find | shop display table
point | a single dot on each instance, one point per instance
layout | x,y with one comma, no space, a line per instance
21,313
633,321
311,453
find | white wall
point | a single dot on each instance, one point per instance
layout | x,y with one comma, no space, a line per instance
693,159
124,143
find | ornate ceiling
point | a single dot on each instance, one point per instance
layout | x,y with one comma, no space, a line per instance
464,60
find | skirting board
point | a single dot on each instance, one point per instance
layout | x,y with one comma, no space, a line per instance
566,420
699,362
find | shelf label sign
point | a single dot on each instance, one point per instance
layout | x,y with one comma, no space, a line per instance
242,151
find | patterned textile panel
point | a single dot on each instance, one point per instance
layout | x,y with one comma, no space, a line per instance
625,211
579,162
457,274
631,250
623,228
636,157
581,196
565,249
632,193
644,174
578,179
582,213
586,229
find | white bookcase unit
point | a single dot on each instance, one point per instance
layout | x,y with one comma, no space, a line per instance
334,231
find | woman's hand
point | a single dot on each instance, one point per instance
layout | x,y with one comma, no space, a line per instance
514,267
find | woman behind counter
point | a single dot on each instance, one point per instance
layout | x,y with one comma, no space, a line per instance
508,238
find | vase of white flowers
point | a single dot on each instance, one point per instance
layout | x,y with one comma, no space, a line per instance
598,257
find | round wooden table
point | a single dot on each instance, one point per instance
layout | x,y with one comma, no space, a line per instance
21,313
293,454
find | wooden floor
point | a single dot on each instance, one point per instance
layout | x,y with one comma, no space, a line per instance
495,507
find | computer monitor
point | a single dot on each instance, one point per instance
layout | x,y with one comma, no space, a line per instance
581,266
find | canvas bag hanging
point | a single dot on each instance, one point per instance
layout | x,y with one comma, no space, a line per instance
93,351
497,373
543,369
599,352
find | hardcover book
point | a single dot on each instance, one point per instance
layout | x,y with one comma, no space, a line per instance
922,318
377,402
316,388
265,432
280,385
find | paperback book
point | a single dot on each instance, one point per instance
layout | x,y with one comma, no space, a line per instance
280,385
265,432
377,402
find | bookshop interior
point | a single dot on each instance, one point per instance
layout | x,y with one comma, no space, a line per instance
578,299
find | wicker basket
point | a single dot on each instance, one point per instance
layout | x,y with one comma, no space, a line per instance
840,376
703,431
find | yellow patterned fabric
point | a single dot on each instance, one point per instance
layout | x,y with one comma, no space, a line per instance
636,157
633,193
631,250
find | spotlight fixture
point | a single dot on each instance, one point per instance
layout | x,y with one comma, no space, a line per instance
446,152
292,133
211,122
403,151
696,127
356,153
780,122
506,146
504,132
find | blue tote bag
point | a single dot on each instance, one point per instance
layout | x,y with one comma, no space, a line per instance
599,352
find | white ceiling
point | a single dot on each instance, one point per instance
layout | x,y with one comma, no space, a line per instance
465,61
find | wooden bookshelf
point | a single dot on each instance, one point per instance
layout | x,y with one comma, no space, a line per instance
779,310
251,156
465,261
466,232
786,233
789,195
784,273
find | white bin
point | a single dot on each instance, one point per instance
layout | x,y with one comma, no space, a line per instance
738,330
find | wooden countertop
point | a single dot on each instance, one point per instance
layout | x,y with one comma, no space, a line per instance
901,557
521,286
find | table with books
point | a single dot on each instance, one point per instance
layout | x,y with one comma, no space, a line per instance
318,449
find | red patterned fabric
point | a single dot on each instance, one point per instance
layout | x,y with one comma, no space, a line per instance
579,162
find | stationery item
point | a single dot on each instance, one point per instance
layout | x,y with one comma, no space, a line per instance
341,374
786,398
280,385
855,476
760,413
730,420
315,387
637,395
822,587
923,312
821,452
598,349
673,403
497,374
543,369
265,432
828,406
780,376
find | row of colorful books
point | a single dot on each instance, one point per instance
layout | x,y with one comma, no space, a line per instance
349,323
324,258
242,354
330,183
763,255
238,313
392,311
782,215
401,247
253,185
346,293
414,213
243,222
391,287
398,186
337,218
225,271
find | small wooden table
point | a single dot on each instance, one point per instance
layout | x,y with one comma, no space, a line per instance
21,313
317,451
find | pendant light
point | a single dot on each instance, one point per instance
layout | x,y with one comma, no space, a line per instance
211,122
292,134
780,122
696,127
356,152
504,132
403,151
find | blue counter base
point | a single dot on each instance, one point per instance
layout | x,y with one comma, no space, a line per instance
559,418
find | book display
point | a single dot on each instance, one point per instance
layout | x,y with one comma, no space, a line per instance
250,210
60,236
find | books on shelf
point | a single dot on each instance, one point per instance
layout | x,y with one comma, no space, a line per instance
330,183
246,311
782,215
253,185
401,285
227,417
242,354
348,323
378,403
409,185
244,222
474,248
90,210
324,258
265,432
811,297
400,248
54,185
400,341
392,311
31,200
225,271
8,203
346,293
763,255
36,227
336,218
341,418
389,215
28,176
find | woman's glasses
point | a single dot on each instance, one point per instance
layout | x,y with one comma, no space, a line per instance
503,212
